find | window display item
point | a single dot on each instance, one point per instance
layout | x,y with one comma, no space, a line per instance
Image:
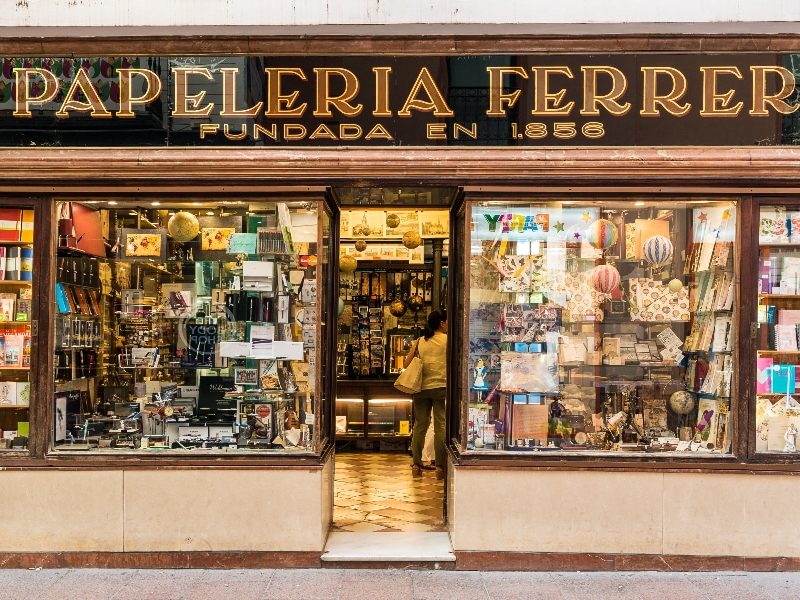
183,226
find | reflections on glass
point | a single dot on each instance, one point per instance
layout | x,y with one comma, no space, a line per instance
601,326
186,326
777,408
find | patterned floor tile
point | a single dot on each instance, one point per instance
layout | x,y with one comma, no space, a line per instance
376,492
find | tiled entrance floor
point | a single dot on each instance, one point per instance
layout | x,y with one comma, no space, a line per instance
375,492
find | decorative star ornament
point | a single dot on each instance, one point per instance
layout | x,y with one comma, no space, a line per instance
703,217
726,214
586,216
559,226
577,235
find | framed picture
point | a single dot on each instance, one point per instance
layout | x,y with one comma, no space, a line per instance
143,244
216,238
436,224
245,376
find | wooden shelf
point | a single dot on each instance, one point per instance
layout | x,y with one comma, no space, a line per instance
14,282
9,243
774,352
785,296
12,368
15,406
788,246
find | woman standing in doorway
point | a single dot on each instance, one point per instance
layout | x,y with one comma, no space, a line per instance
432,350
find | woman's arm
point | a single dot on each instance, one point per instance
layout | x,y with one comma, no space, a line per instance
411,354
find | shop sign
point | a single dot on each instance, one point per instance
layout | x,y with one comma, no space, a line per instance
530,100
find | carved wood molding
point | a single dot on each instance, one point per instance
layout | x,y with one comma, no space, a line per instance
226,168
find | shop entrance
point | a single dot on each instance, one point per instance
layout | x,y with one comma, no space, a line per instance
393,274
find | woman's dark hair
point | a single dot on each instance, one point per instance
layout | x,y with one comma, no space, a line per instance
435,319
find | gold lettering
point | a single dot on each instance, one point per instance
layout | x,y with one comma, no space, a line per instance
229,96
760,97
381,92
208,129
271,132
226,130
278,103
378,133
496,96
350,131
188,106
294,131
715,103
592,101
341,102
437,131
651,99
545,102
23,98
322,132
93,104
471,133
436,102
152,89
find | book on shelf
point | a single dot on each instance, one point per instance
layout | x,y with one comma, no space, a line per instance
786,338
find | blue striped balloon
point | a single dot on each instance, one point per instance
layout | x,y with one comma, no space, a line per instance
658,250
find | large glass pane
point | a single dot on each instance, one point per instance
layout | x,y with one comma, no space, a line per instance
16,304
187,326
601,325
777,356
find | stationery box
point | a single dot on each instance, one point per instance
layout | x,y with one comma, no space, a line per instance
783,379
10,224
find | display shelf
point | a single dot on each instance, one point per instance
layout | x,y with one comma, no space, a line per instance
15,368
15,282
15,406
10,243
774,352
780,296
788,246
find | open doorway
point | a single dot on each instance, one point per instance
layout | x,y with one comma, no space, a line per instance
394,256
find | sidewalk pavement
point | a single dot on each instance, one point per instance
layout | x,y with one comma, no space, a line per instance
363,584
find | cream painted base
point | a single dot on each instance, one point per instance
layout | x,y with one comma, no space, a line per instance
697,514
169,510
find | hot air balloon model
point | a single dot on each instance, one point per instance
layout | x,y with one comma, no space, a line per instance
602,234
416,303
604,278
392,220
657,250
347,263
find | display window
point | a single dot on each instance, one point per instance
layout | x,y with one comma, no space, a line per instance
188,326
777,411
601,325
16,320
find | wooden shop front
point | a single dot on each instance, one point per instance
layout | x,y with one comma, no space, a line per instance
621,286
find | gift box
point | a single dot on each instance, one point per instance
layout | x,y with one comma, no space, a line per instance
11,225
783,379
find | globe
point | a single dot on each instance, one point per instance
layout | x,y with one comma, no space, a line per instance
411,239
361,245
392,220
397,308
183,226
415,303
348,263
681,402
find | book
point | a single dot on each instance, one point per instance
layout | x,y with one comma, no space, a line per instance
764,375
13,350
8,392
786,338
13,263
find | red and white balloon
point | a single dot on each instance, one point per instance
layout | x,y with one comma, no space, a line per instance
604,278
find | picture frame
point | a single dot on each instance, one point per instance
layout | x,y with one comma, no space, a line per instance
245,376
143,244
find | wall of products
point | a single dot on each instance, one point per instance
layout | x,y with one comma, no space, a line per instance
777,408
16,298
386,288
601,325
187,327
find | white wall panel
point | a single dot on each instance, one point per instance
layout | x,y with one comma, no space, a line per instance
64,13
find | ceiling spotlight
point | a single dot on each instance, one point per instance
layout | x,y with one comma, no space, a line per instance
112,202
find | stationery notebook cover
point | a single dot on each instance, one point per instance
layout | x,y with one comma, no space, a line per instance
764,375
783,379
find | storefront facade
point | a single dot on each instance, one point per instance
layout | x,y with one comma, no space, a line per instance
543,137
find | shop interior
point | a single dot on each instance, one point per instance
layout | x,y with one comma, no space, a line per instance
393,271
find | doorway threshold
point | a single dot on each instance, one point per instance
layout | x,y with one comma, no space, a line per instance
389,546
